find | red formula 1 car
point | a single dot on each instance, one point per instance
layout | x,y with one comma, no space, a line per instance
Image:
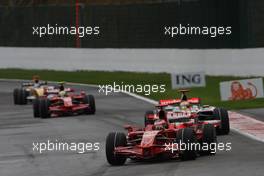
69,104
161,139
206,114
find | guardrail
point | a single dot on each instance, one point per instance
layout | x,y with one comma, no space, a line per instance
237,62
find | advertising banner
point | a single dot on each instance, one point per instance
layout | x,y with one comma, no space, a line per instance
241,89
187,80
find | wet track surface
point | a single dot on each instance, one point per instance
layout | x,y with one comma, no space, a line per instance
18,130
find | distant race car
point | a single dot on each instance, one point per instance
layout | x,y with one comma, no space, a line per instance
160,140
28,92
58,105
206,114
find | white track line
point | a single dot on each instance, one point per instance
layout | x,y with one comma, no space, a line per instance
239,123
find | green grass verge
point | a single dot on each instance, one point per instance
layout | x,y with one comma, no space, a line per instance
209,94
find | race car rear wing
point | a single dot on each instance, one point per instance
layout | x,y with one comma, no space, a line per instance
32,84
194,100
163,103
27,84
169,102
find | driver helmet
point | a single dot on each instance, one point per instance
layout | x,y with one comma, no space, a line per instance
62,93
184,105
35,79
61,85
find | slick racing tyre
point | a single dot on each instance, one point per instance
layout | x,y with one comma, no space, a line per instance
148,121
114,140
208,139
44,108
15,96
20,96
89,99
36,108
222,115
186,137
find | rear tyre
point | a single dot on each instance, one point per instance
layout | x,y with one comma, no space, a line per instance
15,96
21,96
209,137
89,99
44,108
148,121
222,115
114,140
187,137
36,108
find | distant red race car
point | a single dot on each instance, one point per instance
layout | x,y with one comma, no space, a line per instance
161,139
69,104
206,114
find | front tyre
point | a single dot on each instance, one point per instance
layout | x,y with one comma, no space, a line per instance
209,138
187,137
114,140
89,99
44,108
36,108
222,115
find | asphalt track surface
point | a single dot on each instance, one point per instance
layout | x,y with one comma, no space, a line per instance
18,130
255,113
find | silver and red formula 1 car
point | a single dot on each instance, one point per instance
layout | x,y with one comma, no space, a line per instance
206,114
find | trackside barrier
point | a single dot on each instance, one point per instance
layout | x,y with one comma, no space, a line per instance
236,62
